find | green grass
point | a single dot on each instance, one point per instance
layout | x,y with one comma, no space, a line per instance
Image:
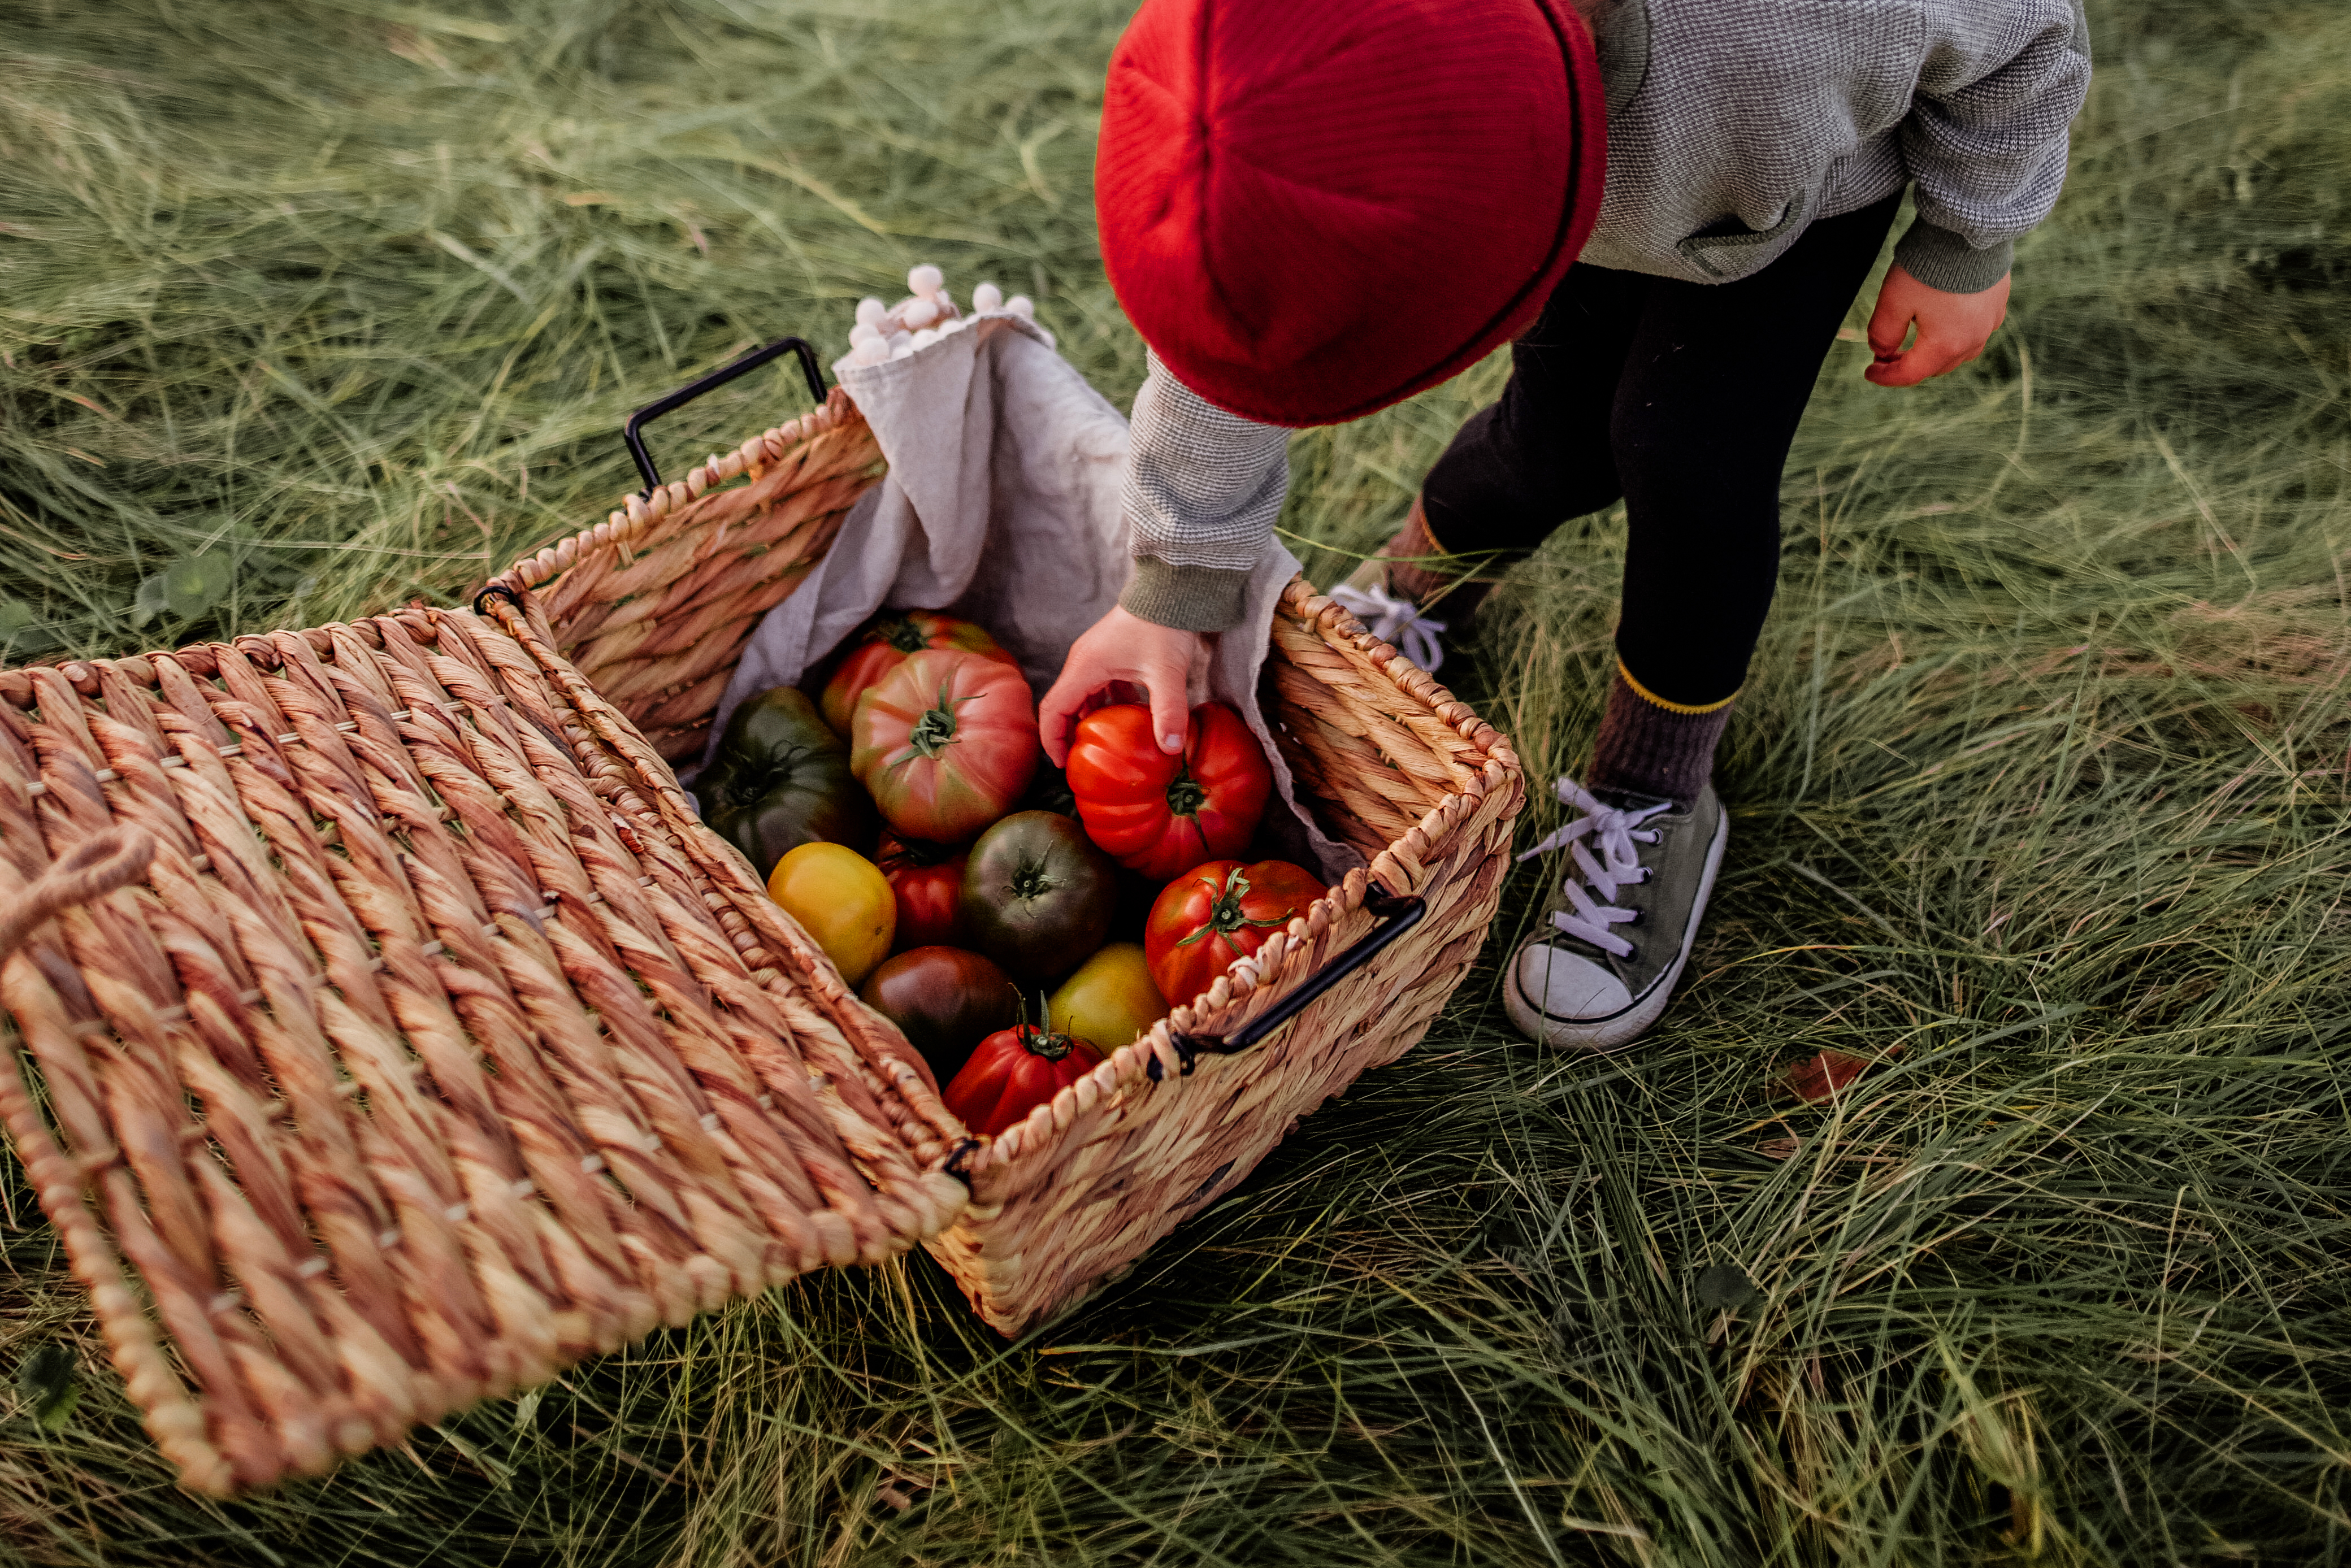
310,305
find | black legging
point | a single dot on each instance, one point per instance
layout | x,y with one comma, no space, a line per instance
1682,398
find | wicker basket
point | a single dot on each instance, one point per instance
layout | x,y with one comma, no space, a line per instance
1389,762
395,1019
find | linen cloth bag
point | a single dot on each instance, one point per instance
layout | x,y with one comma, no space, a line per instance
1001,507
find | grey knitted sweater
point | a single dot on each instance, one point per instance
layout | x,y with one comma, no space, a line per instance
1732,126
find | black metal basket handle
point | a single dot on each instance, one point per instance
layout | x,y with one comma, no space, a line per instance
1401,914
633,432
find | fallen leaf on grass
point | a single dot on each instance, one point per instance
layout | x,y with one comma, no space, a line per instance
1725,1288
1825,1075
45,1382
187,588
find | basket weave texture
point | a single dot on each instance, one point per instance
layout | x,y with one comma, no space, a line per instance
1391,764
403,1045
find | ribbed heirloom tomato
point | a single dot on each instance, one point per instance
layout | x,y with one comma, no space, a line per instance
1162,815
928,879
888,641
944,744
1014,1072
1217,912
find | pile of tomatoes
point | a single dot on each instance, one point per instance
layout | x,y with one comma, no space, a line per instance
1014,922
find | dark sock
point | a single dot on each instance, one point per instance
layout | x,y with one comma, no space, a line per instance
1651,748
1419,569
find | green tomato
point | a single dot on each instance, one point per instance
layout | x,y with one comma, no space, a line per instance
780,779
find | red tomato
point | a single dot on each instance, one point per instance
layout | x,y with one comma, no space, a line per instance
886,641
944,744
1014,1072
1162,815
1217,912
928,879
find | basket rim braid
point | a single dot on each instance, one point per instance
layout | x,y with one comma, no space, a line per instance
637,511
655,601
418,1053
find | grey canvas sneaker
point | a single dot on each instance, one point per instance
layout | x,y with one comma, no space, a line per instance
1621,923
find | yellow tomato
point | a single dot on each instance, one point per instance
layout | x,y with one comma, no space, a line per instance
842,900
1110,1000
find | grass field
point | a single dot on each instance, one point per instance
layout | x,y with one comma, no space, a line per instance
310,306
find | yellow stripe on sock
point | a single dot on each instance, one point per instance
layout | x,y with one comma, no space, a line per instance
1653,700
1430,534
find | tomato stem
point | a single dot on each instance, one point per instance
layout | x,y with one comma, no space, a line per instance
900,632
1227,917
1184,795
748,785
1039,1042
935,729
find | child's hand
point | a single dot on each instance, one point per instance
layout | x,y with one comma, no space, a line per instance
1118,649
1952,328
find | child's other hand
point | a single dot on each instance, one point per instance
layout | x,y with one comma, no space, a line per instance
1952,328
1118,650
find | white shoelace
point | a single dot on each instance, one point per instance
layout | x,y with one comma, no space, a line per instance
1618,864
1395,622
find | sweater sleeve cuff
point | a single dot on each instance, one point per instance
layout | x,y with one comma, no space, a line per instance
1188,597
1941,259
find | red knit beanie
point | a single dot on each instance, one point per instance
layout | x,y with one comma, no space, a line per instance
1314,208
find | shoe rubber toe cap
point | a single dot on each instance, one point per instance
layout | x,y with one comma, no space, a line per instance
1565,987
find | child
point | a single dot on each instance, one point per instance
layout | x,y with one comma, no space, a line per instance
1310,210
